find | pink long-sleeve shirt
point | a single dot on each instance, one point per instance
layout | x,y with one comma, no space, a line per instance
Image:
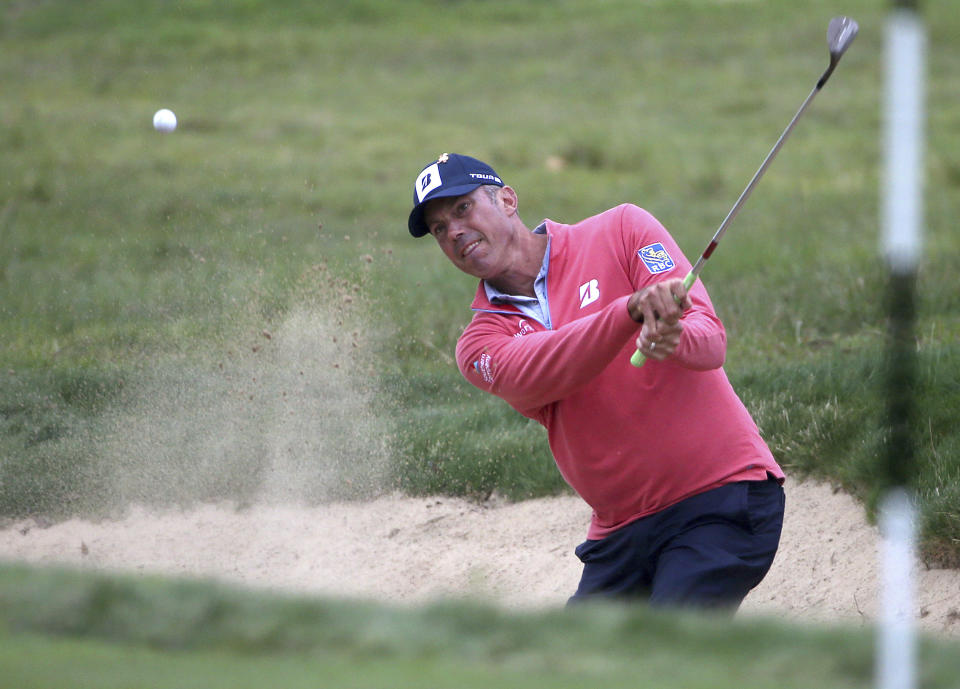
629,441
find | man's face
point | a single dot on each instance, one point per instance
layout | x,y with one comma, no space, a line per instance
473,230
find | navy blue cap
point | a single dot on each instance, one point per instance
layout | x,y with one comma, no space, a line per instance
449,175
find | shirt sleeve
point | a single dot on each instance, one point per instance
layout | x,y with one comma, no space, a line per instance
545,366
703,344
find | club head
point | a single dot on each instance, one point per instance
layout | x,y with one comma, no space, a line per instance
840,34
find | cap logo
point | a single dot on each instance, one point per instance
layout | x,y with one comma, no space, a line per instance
428,180
483,176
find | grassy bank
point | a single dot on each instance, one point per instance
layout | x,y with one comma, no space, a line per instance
184,316
94,631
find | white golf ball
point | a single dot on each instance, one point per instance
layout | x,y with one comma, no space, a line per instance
164,120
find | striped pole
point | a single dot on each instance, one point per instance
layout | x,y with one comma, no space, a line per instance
902,243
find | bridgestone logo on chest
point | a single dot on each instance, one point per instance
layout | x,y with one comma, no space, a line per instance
589,292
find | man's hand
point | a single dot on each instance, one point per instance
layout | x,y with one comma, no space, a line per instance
659,308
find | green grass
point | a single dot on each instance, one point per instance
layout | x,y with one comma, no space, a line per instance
139,271
98,631
460,454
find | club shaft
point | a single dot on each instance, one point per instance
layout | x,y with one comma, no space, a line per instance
718,235
638,359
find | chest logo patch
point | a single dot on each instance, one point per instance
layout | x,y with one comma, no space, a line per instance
656,258
525,329
589,292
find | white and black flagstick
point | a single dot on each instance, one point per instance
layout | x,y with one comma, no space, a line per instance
902,243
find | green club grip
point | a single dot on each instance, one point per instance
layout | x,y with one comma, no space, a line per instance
639,359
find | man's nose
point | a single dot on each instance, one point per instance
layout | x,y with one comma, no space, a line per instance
456,227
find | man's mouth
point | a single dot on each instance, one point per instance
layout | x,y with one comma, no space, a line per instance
468,249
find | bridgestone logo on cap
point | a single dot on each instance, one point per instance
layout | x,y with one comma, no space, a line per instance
428,180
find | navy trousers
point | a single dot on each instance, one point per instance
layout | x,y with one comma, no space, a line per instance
707,551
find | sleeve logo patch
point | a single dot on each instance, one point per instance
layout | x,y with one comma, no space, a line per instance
656,258
485,367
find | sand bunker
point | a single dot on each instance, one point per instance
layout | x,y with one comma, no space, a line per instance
408,550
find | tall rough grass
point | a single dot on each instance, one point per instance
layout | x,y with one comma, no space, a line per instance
133,264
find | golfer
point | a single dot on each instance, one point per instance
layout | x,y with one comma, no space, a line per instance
687,499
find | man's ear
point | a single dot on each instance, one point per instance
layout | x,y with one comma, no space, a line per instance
508,197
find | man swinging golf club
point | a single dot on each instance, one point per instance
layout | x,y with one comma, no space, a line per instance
687,498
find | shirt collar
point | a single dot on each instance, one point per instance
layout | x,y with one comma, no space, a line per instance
497,297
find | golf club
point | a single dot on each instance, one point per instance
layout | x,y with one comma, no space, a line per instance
840,34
